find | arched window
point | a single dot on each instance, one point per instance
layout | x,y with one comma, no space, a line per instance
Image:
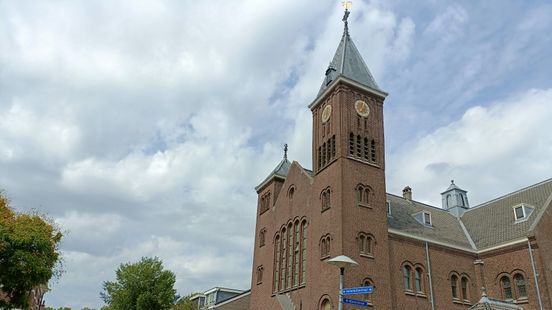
449,200
326,304
453,286
363,195
283,261
406,278
506,287
365,244
290,251
276,272
262,234
296,253
326,198
325,246
367,297
303,251
290,257
520,286
464,286
418,279
260,274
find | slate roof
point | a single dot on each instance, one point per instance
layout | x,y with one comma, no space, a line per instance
445,226
281,170
348,62
486,225
499,224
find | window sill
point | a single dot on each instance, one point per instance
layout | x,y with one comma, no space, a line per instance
409,292
456,301
325,209
288,290
421,294
260,282
325,257
363,161
467,302
367,255
364,205
523,300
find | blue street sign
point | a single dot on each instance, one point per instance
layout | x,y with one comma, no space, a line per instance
355,302
358,290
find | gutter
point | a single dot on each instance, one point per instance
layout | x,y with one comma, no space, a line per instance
535,275
430,277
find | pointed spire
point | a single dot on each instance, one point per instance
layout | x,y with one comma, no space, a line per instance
347,61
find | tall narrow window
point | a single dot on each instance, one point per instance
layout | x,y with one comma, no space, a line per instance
365,149
296,254
326,198
303,252
351,144
506,287
453,284
359,147
406,278
290,257
319,157
333,146
418,279
373,150
324,154
520,286
260,274
276,263
283,257
329,151
464,286
262,237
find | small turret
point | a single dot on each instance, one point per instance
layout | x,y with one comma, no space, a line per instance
455,200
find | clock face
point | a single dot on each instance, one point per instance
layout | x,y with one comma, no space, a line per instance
326,113
362,108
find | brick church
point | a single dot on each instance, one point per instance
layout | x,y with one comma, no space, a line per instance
497,255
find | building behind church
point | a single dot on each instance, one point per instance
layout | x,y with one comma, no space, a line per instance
497,255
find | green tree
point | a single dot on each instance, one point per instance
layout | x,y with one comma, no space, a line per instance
185,303
140,286
29,253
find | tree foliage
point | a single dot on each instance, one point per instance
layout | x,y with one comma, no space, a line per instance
140,286
29,253
184,303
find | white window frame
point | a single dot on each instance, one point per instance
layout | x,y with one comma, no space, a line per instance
424,218
524,208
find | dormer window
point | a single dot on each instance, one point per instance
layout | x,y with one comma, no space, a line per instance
427,218
424,218
522,212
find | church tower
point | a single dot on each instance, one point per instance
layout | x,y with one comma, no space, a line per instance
305,217
349,167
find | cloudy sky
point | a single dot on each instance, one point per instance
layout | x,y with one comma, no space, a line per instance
142,127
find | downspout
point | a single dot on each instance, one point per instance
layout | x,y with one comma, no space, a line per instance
430,276
535,275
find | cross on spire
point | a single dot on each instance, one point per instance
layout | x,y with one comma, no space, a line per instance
285,150
347,5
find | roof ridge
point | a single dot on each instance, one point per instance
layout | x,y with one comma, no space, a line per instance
418,202
509,194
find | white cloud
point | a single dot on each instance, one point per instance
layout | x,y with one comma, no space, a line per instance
489,151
